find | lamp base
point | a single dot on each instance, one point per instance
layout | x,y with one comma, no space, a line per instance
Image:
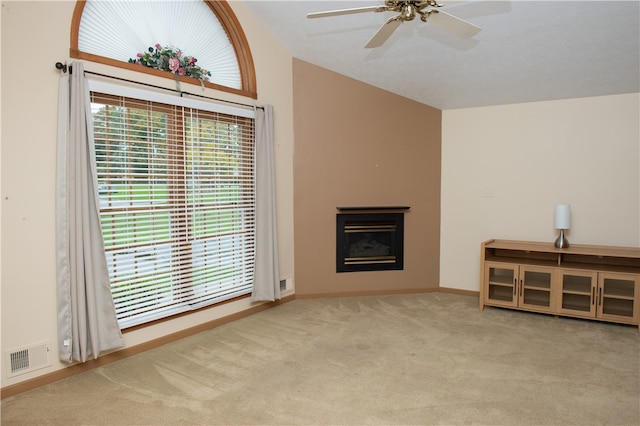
561,241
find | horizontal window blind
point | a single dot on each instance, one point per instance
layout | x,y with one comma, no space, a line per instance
177,205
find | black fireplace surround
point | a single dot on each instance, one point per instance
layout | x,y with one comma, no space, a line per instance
369,241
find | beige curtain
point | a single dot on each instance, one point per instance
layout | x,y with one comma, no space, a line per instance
87,322
266,283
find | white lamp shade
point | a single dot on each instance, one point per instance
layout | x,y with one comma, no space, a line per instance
563,216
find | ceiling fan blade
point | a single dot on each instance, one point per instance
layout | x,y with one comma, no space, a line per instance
347,11
384,32
452,24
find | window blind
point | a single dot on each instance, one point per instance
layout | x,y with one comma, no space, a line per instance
121,29
177,204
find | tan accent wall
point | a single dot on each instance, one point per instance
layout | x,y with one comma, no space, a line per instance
357,145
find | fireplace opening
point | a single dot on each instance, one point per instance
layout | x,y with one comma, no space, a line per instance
369,242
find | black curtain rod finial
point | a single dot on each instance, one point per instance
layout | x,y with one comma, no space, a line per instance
63,67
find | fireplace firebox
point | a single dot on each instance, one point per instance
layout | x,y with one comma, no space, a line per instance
369,241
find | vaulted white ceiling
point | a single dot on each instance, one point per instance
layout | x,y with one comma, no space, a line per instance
527,50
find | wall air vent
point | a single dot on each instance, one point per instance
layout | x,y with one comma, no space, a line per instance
286,285
24,360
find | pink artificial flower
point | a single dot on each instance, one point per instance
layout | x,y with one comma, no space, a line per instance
179,53
158,46
140,55
182,71
192,60
174,64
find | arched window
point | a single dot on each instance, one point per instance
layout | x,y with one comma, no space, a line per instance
112,32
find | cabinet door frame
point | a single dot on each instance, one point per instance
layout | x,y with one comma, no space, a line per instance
591,293
634,298
523,287
487,283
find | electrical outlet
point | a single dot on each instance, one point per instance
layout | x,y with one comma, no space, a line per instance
488,192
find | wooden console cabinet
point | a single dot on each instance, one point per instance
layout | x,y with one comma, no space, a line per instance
584,281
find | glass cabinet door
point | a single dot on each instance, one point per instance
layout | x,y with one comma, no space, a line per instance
500,280
577,293
535,290
618,297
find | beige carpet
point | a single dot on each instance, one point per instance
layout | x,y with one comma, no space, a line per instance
402,359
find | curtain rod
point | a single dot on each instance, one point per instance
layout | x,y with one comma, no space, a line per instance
65,67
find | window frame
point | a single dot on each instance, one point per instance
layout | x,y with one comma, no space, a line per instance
225,15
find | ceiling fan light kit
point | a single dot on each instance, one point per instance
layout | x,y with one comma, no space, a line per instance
407,11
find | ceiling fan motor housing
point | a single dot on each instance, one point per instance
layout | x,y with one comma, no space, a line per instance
397,5
409,8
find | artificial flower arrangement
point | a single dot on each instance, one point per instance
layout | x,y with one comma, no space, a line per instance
172,60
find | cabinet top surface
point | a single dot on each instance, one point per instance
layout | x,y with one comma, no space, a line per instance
583,249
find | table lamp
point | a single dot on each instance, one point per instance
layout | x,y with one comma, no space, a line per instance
563,221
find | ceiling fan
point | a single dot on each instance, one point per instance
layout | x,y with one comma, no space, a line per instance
408,9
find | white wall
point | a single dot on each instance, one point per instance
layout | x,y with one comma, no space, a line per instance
35,35
505,167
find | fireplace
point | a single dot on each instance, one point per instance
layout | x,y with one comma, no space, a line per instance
369,241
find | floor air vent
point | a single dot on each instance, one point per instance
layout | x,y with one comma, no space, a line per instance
28,359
